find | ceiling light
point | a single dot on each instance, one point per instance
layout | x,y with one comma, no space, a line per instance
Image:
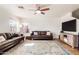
38,12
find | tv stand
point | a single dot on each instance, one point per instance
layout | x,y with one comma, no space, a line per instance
69,39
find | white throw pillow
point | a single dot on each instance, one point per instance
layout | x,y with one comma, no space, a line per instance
35,33
48,33
2,38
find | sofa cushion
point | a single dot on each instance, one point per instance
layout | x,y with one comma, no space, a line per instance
4,35
15,35
12,34
43,33
2,38
8,35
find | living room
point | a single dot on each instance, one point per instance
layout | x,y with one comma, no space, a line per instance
40,28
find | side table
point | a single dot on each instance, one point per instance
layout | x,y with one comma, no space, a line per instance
28,37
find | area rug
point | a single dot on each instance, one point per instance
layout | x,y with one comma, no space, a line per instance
39,47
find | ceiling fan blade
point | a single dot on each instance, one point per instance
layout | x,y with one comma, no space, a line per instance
43,13
45,9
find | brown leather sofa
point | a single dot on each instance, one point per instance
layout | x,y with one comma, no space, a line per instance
41,35
12,39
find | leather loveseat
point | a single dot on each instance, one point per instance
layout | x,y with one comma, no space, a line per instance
12,39
41,35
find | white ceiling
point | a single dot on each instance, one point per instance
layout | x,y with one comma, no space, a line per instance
56,10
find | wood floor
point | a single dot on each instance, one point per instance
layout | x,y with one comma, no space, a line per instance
72,50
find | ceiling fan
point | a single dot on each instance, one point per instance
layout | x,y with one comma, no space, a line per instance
39,9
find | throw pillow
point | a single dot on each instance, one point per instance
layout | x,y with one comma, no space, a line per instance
35,33
48,33
2,38
4,35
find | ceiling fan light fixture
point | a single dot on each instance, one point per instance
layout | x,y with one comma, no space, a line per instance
38,12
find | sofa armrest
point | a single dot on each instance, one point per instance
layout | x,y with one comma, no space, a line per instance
9,43
31,33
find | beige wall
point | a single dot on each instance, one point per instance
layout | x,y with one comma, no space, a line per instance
4,18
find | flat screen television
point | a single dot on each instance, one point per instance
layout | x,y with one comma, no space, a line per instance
69,26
